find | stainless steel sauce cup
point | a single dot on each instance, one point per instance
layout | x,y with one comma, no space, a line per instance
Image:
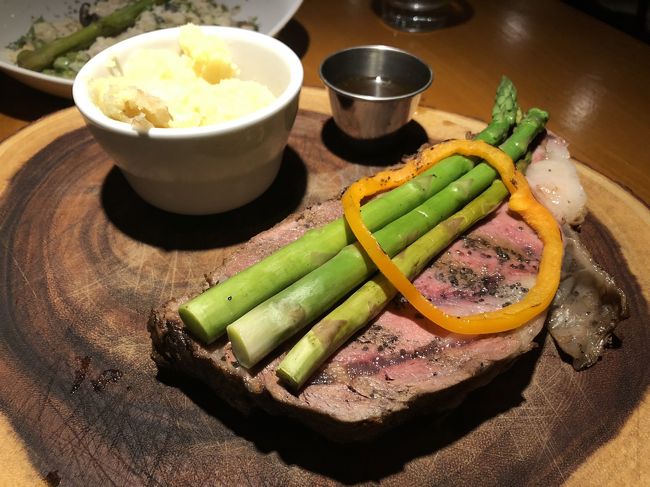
374,90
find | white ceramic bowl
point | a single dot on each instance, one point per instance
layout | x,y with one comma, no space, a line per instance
209,169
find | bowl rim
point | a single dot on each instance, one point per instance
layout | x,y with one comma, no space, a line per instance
375,47
94,115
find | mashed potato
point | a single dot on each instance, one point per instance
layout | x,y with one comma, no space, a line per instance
162,88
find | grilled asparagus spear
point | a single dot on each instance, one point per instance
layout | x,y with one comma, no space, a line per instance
112,24
269,324
208,314
324,338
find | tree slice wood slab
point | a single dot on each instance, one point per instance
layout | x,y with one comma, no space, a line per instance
84,260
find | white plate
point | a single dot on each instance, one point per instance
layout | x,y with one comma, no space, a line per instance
16,17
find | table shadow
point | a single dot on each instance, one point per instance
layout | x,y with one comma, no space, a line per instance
382,151
14,94
294,35
145,223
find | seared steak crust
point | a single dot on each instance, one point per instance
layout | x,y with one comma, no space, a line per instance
400,365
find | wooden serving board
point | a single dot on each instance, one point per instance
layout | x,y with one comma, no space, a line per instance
84,260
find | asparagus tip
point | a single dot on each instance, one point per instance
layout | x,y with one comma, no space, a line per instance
543,114
506,107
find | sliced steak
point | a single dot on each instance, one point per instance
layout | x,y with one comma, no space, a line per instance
400,365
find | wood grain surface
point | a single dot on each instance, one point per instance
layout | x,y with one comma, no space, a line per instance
83,260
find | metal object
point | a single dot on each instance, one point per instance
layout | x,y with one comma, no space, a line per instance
418,15
374,90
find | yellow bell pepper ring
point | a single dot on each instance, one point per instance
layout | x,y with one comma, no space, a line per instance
521,201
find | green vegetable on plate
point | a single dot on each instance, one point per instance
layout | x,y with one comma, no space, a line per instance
332,331
208,314
261,330
44,56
